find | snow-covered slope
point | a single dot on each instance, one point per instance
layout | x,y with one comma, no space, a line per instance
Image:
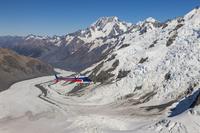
41,105
163,60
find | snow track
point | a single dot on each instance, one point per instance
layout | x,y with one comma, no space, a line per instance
39,105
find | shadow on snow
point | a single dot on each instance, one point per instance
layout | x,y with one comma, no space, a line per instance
185,104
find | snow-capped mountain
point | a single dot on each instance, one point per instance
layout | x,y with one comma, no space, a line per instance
163,60
103,27
85,47
61,51
154,67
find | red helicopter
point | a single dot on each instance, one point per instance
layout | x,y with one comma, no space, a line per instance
80,79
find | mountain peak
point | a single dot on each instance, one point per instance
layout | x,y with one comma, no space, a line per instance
105,27
151,19
147,20
104,20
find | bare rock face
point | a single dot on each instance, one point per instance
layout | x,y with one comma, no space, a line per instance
14,67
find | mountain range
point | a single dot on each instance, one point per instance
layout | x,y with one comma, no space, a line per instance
79,50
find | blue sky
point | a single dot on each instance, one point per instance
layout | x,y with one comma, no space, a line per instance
58,17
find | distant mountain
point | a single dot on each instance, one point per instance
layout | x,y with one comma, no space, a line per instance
14,67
